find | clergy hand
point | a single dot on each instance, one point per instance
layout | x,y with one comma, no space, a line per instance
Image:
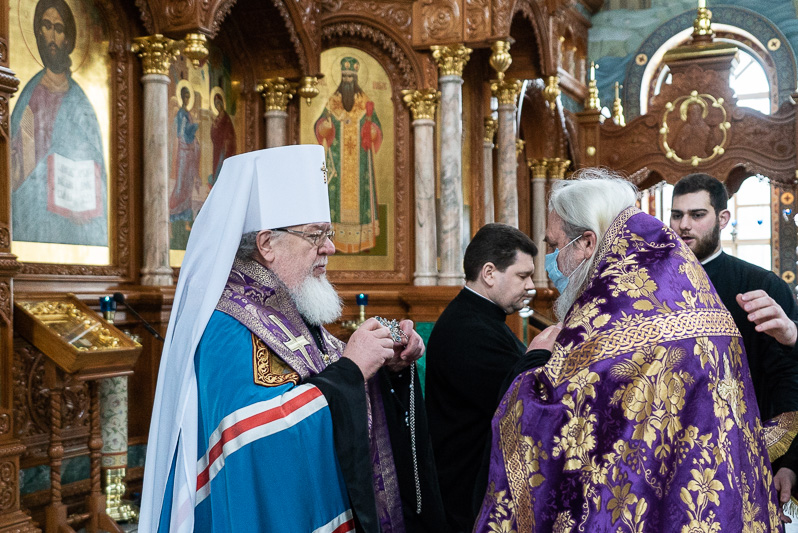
784,481
370,347
410,349
768,316
545,339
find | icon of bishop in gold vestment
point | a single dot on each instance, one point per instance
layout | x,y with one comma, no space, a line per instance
351,134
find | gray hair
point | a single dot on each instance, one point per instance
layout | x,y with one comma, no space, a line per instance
591,200
249,244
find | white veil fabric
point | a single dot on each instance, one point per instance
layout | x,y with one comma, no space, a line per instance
267,189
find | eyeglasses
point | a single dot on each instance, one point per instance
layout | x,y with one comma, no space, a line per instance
317,238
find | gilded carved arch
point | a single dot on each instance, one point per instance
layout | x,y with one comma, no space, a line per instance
416,70
178,17
305,34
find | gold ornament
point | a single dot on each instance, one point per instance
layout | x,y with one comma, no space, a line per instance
421,103
538,168
506,91
702,25
500,59
195,49
490,129
681,106
593,101
115,506
156,52
552,91
451,59
617,107
277,92
519,147
557,167
308,88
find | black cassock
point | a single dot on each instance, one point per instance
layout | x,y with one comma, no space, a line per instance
470,353
774,367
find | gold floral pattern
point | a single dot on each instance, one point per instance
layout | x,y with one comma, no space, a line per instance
620,441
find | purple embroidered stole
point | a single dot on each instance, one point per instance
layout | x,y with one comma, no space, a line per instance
256,298
645,418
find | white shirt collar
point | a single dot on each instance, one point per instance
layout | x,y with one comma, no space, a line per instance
480,295
713,256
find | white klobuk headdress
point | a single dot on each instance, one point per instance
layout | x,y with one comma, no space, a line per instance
267,189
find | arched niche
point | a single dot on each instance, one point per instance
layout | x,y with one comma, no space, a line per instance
404,70
300,18
750,22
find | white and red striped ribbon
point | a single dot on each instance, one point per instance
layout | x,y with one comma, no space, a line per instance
254,422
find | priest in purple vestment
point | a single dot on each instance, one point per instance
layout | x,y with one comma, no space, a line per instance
644,419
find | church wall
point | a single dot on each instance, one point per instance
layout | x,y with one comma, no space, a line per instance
249,41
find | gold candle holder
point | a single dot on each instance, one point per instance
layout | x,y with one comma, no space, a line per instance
362,301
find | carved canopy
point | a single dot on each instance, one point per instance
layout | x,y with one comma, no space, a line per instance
695,125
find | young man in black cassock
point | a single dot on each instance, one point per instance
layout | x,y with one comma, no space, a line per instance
760,302
470,352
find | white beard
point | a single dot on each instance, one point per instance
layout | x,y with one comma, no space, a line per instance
317,301
576,282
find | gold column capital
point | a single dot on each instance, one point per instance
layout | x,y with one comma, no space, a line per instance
593,101
451,59
491,124
538,168
552,91
156,52
505,91
421,103
557,167
277,92
500,59
196,48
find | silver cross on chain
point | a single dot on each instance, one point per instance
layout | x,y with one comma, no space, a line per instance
393,325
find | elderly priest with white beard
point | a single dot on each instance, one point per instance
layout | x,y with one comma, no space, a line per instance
263,421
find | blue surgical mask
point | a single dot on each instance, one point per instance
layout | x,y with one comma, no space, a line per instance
559,279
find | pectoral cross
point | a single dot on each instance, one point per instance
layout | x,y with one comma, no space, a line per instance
293,343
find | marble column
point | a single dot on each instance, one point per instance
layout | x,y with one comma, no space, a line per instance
506,92
276,92
451,60
422,105
156,53
538,168
487,169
